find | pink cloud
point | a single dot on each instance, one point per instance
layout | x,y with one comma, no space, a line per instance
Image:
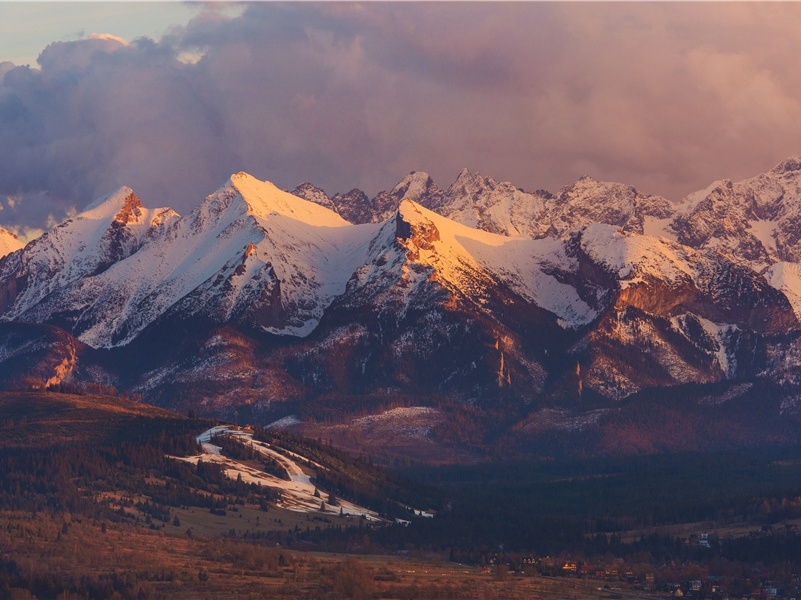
664,97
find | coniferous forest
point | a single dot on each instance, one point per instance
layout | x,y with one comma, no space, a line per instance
102,474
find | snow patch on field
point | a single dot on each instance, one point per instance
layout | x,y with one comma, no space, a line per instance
550,419
285,422
730,394
415,421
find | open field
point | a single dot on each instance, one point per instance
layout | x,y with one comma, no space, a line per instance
54,553
93,503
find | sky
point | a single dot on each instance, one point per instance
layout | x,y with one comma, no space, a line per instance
172,98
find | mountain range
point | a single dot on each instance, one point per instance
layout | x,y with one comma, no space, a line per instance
454,321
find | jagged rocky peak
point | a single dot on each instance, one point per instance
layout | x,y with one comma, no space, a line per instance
131,209
358,208
471,184
754,220
789,165
476,186
482,203
417,186
591,201
413,224
123,198
355,207
123,208
116,218
312,193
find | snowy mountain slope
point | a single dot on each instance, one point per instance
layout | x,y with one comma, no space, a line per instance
501,208
356,207
421,311
8,242
482,203
468,260
105,232
756,221
678,315
249,253
786,277
519,297
649,311
588,201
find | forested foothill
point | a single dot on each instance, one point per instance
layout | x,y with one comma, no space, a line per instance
93,504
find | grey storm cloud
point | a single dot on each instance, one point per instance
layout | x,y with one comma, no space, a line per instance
667,97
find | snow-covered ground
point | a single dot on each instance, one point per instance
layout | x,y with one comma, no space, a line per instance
297,493
786,277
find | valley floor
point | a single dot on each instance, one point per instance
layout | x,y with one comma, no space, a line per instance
95,504
55,553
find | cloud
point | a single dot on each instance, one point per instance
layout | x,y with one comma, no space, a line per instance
667,98
109,37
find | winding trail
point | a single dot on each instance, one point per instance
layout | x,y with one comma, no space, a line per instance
297,493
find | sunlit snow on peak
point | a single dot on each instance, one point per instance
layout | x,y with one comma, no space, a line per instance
264,199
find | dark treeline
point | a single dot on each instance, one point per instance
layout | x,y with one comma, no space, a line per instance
355,478
70,477
587,509
582,508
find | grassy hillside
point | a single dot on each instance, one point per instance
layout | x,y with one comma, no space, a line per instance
93,504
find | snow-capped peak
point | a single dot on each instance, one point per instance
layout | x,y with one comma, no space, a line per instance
124,208
415,186
467,180
468,259
111,204
312,193
264,199
110,229
792,163
413,212
632,258
754,221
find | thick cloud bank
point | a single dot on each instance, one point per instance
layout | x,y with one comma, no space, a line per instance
667,97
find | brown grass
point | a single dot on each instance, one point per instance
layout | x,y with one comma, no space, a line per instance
155,564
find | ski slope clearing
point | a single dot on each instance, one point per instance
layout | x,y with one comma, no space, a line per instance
297,493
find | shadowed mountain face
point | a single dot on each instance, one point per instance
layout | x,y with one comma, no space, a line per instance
483,304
